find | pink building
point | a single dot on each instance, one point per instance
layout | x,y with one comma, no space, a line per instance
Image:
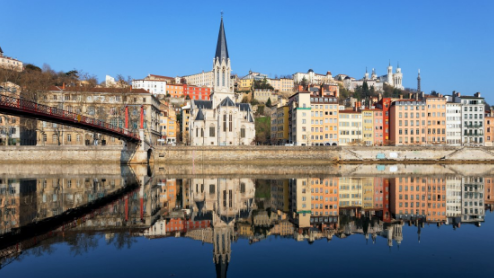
378,127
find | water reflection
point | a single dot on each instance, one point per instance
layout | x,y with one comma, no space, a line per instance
222,210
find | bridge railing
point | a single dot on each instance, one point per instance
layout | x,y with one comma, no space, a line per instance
33,107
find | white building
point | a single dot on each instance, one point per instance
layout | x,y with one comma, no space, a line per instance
312,78
299,119
155,84
453,123
473,119
473,200
453,196
220,120
10,63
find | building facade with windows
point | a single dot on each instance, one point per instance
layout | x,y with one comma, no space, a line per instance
324,120
473,120
106,104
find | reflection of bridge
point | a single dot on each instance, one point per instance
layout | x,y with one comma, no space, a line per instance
23,108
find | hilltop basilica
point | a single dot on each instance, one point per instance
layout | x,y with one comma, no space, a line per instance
221,121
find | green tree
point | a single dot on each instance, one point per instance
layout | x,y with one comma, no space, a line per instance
268,103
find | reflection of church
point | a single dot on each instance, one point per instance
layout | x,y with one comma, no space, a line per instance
223,202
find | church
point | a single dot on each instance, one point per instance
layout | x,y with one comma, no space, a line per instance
221,121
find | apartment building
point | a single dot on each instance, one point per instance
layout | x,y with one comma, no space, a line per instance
368,127
324,120
282,84
154,84
279,125
408,122
473,120
202,79
109,105
378,127
436,119
453,123
10,63
350,127
300,118
168,124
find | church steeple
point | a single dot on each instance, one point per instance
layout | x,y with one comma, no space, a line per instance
221,46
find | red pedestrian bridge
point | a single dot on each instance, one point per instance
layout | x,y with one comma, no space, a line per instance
28,109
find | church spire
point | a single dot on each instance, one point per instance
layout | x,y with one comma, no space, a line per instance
221,46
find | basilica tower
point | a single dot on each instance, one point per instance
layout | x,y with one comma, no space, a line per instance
221,69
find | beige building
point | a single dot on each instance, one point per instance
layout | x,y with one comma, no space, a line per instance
184,127
350,123
106,104
201,79
10,63
263,95
282,84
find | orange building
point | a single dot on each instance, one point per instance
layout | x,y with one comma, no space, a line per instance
408,122
324,120
416,197
489,130
183,90
436,120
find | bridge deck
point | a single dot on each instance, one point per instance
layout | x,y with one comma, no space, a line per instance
24,108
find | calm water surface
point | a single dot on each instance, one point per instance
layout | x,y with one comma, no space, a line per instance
121,223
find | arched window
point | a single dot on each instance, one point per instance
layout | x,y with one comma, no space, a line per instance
224,123
211,131
217,77
223,78
230,123
242,132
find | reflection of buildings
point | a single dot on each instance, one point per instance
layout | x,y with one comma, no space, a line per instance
223,202
473,200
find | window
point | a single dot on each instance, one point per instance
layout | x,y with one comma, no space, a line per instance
224,123
69,137
242,132
211,131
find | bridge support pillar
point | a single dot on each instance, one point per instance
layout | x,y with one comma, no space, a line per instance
137,153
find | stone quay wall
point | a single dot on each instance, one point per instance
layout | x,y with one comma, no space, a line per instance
259,155
289,155
60,154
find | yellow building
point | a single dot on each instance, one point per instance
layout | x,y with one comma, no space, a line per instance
279,125
368,193
168,124
368,127
185,124
350,192
324,120
245,84
301,201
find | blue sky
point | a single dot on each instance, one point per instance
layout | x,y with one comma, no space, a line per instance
451,42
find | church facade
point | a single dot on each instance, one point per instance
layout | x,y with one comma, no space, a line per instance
221,121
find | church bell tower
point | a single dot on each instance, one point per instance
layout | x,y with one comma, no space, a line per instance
222,69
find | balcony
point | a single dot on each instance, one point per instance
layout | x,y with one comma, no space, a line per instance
473,126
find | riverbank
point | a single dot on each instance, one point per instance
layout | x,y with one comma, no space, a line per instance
278,155
254,155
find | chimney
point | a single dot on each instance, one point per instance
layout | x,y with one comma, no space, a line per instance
477,94
401,96
417,96
300,88
130,88
63,86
